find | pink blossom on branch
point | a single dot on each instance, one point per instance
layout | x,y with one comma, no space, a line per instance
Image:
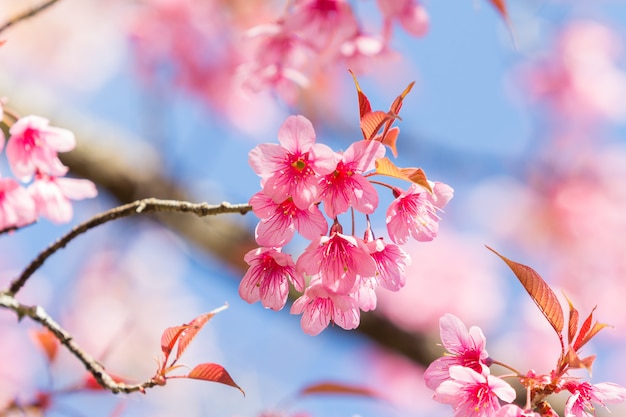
409,13
466,348
319,307
292,169
52,196
279,222
268,278
414,212
585,394
16,205
338,260
391,262
346,187
472,394
33,146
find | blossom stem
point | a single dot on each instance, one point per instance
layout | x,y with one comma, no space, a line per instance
504,365
27,14
148,205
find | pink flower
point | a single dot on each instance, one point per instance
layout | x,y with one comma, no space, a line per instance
338,260
584,394
511,410
33,146
409,13
391,262
292,169
345,187
16,206
268,278
414,213
319,307
466,348
472,394
322,23
52,196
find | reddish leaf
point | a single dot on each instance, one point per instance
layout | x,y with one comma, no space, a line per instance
90,383
372,122
214,373
47,341
573,322
500,7
390,140
587,331
338,389
364,104
191,332
397,103
170,337
540,292
417,175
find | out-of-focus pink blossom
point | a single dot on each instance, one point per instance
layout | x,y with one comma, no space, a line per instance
360,51
319,307
338,260
52,196
580,79
391,262
466,348
280,61
414,213
346,187
16,205
268,278
292,169
279,222
33,146
585,394
322,23
409,13
472,394
365,295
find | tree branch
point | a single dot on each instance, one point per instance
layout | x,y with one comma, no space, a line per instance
38,314
27,14
144,206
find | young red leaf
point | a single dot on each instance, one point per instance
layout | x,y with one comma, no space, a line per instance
193,328
214,373
500,7
47,341
573,322
384,166
170,337
364,104
540,292
397,103
587,331
372,122
390,140
336,388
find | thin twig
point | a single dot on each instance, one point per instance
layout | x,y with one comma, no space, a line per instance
148,205
38,314
27,14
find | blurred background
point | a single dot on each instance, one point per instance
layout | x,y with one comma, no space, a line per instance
167,97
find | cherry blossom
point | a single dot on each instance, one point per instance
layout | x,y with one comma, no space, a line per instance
279,222
584,394
409,13
472,394
292,169
414,212
512,410
268,278
466,348
338,259
16,205
320,306
346,187
391,262
33,146
52,196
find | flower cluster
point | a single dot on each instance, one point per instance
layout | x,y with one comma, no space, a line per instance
338,272
462,379
32,153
